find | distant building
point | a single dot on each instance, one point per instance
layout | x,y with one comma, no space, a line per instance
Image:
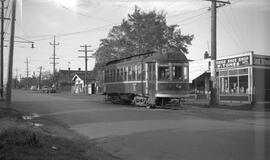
80,86
65,77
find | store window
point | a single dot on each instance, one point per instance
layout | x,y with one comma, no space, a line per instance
243,84
163,73
233,84
234,81
224,87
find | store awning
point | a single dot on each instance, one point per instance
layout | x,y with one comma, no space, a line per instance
195,75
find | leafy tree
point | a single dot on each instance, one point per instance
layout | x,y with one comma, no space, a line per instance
141,32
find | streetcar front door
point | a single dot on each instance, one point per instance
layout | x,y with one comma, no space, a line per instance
151,80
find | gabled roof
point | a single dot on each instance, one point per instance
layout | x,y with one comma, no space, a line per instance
90,76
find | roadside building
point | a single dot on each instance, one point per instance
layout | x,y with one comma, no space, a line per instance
241,78
244,78
199,77
80,87
64,78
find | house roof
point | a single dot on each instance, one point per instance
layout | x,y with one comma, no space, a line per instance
90,76
67,75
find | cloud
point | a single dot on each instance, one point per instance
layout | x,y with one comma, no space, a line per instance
258,4
169,6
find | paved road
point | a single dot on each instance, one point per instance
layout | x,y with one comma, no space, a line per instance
146,134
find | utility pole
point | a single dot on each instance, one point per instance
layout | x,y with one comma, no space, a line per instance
54,56
39,79
27,67
86,59
11,50
2,51
16,78
213,84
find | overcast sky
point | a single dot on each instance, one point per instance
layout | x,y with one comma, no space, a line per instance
242,26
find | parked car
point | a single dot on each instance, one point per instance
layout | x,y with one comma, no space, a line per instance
45,89
33,88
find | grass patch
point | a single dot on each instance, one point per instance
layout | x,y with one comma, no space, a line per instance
28,144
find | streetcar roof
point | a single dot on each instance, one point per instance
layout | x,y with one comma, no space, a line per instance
126,58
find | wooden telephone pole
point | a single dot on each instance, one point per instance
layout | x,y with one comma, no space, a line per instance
11,50
2,51
39,79
54,55
213,85
54,58
86,59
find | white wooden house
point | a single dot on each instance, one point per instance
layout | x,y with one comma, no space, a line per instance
80,87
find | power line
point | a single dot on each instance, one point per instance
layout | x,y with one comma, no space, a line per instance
235,34
74,33
189,12
8,22
191,17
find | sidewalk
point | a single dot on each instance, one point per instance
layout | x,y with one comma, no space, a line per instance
233,106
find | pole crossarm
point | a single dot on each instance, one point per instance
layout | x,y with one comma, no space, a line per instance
218,1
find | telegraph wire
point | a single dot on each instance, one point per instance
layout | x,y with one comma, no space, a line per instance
235,34
192,17
73,33
189,12
194,20
7,22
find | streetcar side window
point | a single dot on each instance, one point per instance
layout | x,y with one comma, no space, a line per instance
117,75
113,75
143,72
121,74
110,76
139,72
177,72
125,73
163,73
185,73
133,73
129,73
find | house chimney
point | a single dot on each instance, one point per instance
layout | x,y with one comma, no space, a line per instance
79,69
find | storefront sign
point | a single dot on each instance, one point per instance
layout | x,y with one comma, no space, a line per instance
233,62
261,61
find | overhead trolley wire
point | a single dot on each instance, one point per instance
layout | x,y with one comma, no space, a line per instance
72,33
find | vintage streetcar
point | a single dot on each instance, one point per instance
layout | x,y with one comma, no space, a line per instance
148,79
